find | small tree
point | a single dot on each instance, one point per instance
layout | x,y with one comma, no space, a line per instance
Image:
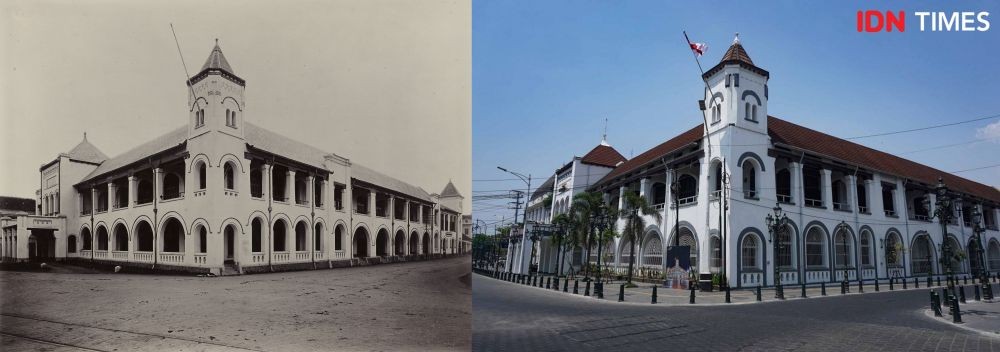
634,207
587,206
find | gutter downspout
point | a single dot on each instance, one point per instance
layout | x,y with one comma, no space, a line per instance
312,224
906,226
270,200
857,225
801,203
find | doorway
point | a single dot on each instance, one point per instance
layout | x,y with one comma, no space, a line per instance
230,248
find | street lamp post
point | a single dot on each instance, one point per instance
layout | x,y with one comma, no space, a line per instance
977,230
776,223
844,285
601,220
943,211
527,194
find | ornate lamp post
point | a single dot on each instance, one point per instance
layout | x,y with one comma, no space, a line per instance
844,285
776,223
601,223
977,230
944,212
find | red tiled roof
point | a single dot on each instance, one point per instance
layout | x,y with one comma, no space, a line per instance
800,137
736,53
603,155
684,139
788,133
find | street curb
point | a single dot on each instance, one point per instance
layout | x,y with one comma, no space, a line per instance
930,314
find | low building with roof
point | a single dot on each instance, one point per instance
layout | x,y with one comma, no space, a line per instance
222,195
852,210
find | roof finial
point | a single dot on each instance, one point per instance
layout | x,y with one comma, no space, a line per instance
736,40
84,135
216,41
604,137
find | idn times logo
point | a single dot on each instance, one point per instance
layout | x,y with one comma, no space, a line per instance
874,21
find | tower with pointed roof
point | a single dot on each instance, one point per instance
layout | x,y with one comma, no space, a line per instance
215,98
737,92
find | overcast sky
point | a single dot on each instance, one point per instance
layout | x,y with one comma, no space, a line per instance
386,83
547,74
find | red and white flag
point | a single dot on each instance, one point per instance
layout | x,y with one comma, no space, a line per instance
698,48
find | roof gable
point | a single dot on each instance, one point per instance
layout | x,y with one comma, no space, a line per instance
450,191
87,152
603,155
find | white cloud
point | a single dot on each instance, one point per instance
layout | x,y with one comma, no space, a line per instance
991,131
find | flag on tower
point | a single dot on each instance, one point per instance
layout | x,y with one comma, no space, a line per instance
697,48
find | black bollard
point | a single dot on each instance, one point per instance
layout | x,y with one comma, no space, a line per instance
861,286
566,285
555,284
929,281
935,303
822,288
975,290
621,293
758,293
599,290
945,297
692,293
586,291
965,280
576,287
654,295
956,312
892,286
728,298
916,283
961,294
876,285
843,287
804,291
548,283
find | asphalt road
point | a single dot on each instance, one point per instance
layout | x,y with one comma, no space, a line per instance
417,306
509,317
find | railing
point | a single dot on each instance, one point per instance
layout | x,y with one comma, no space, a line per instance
659,207
173,196
301,255
822,275
318,254
686,201
101,254
361,210
142,256
200,258
839,274
279,257
784,198
788,275
380,212
258,258
863,209
338,204
119,255
751,279
867,273
85,253
172,257
301,202
921,217
841,206
340,254
749,193
895,271
890,212
818,203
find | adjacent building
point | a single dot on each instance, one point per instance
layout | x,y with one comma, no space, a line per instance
223,195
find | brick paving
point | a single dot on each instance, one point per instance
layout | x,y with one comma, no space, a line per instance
516,317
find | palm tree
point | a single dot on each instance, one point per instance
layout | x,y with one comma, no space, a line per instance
587,206
634,207
561,237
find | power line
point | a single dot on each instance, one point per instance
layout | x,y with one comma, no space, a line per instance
976,168
925,128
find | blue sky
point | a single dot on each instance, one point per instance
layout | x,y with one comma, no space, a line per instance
547,74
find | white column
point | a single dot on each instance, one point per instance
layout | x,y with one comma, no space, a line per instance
112,195
852,193
932,199
899,196
93,209
265,186
132,186
798,194
157,184
290,186
870,201
309,190
827,188
621,196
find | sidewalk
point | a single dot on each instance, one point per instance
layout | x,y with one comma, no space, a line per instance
979,316
643,293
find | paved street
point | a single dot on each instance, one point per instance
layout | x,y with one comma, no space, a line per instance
406,306
516,317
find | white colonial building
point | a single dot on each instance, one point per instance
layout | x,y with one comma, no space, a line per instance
222,195
852,209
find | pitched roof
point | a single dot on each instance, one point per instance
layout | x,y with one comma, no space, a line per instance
736,53
450,191
277,144
546,187
87,152
216,60
790,134
603,155
158,144
368,175
670,146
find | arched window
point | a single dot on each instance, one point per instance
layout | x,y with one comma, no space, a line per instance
228,116
749,180
202,175
102,238
746,111
716,178
144,237
716,113
688,188
338,240
748,250
956,247
893,250
920,257
687,239
318,238
993,255
88,241
229,174
300,236
232,119
866,248
753,116
71,244
652,252
843,245
202,239
255,235
120,238
716,255
279,236
815,253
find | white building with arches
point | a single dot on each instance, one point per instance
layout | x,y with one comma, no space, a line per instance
225,196
853,210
